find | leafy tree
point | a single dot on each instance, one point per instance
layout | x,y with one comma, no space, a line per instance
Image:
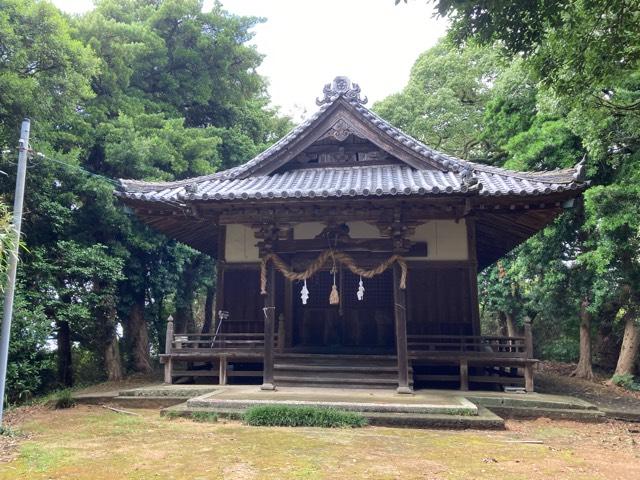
443,104
44,71
583,56
137,89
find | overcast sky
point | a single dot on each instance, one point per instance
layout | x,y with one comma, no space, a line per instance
307,43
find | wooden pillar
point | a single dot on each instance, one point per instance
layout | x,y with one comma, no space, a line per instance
281,333
400,300
464,374
473,274
269,320
528,347
168,346
222,375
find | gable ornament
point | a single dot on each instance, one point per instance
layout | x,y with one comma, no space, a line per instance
341,87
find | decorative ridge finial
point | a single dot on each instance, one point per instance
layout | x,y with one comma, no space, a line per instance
341,87
580,174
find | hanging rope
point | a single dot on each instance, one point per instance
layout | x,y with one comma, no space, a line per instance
319,262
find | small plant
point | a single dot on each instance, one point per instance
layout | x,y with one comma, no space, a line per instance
204,417
171,414
626,381
7,431
288,416
63,399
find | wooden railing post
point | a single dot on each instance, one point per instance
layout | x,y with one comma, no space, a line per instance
269,320
528,338
528,353
168,343
281,332
399,296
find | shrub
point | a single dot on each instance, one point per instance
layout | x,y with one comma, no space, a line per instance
6,431
288,416
63,399
204,417
626,381
171,415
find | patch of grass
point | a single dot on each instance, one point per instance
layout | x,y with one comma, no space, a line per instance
288,416
39,458
171,414
204,417
62,399
627,381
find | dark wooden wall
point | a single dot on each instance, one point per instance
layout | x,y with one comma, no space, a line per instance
359,324
241,298
439,301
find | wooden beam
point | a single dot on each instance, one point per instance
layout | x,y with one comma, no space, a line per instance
528,345
400,300
269,321
222,376
168,347
464,375
473,274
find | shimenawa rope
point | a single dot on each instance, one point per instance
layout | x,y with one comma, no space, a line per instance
319,262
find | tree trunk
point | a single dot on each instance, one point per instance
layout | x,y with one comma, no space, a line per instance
65,370
630,346
502,324
184,321
112,362
208,310
139,341
511,325
106,317
584,368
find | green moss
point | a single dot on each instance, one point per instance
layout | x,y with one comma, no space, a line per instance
204,417
288,416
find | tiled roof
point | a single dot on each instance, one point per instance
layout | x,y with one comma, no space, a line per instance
359,181
440,174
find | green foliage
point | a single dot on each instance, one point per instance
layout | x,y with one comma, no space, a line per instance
44,71
627,381
204,417
136,89
172,414
6,431
572,90
288,416
443,103
63,399
31,367
7,241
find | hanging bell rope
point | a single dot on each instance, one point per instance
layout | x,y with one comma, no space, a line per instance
322,259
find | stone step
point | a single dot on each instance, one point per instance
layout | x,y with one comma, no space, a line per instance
582,415
482,419
514,400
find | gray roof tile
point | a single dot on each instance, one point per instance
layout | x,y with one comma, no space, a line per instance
362,181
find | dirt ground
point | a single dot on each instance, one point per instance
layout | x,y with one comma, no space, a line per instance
95,443
553,377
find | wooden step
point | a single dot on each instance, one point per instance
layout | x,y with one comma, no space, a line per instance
336,382
335,368
338,371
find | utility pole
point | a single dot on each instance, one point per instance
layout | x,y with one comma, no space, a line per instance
13,259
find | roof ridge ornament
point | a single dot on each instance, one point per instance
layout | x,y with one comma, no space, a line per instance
341,87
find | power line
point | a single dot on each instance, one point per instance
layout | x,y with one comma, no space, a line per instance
34,153
75,167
